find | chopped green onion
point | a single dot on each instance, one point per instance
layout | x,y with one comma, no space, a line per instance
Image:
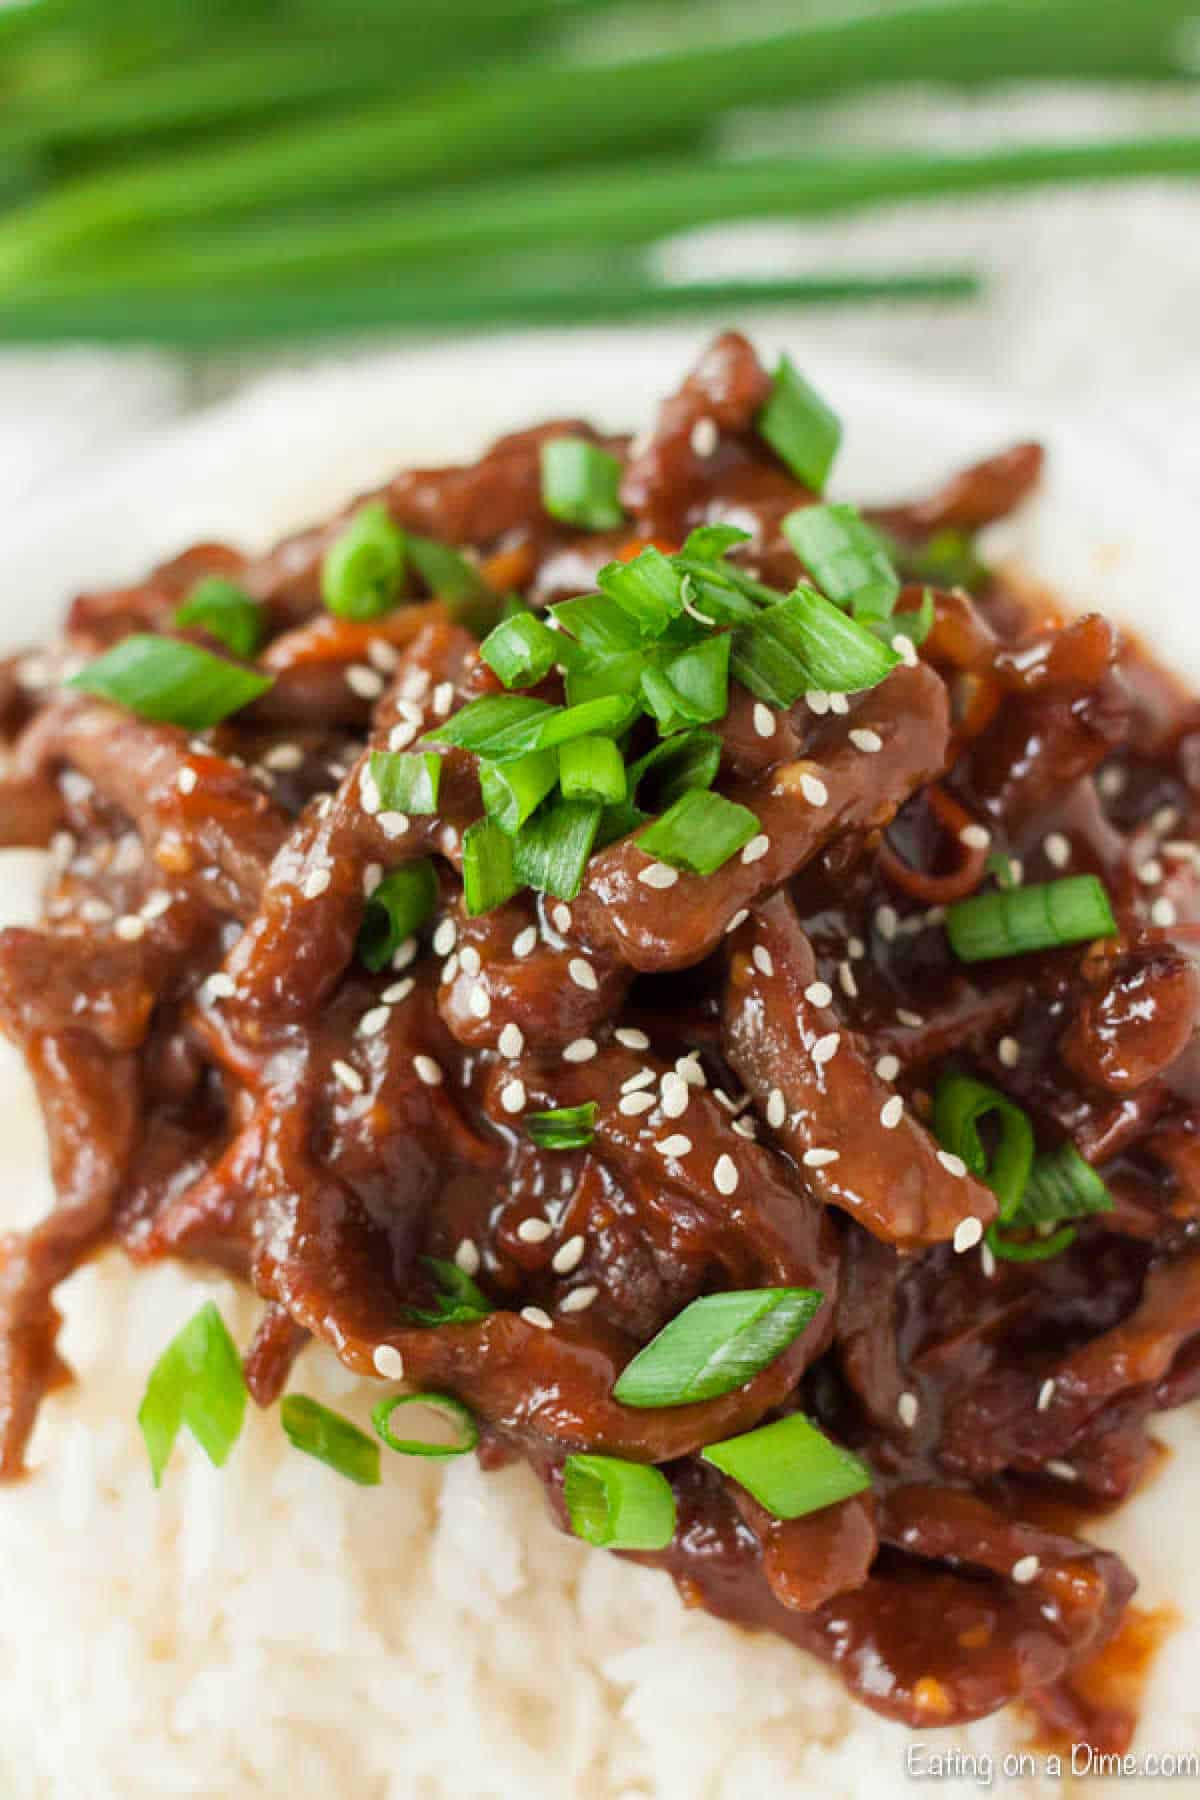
845,558
197,1382
591,768
522,650
396,908
598,624
564,1127
171,682
591,678
227,612
915,626
407,780
948,559
1074,910
790,1467
450,1411
551,851
688,760
580,484
649,589
364,566
712,543
1062,1186
806,642
714,1345
1030,1250
700,832
446,572
333,1440
458,1300
503,726
513,790
618,1505
489,878
1000,866
693,688
960,1104
799,427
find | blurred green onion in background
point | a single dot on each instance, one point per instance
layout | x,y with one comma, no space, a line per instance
225,170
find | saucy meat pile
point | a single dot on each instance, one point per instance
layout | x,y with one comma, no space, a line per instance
783,1067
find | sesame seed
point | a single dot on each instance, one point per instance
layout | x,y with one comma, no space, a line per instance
582,973
1164,820
725,1175
392,824
886,922
186,781
533,1315
534,1231
1024,1571
220,986
578,1300
402,735
814,790
371,878
77,788
525,942
467,1257
283,756
1063,1470
891,1113
819,1159
1150,872
388,1362
405,954
953,1165
1110,782
704,437
644,1078
569,1256
581,1050
967,1234
855,949
838,703
1009,1052
816,701
560,917
826,1048
658,875
1057,849
398,991
975,837
156,906
449,969
866,740
1046,1393
428,1071
1163,911
130,927
739,918
763,960
479,1002
367,683
906,1017
470,960
887,1068
349,1078
317,883
764,720
757,848
443,698
745,1127
368,793
903,646
512,1096
512,1040
375,1021
445,937
383,655
987,1261
633,1104
675,1096
688,1068
908,1406
675,1145
776,1108
847,982
632,1038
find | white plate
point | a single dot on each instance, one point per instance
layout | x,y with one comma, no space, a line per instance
1102,531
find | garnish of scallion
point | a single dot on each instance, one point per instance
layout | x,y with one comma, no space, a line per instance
803,432
447,1413
397,907
331,1439
563,1127
592,768
170,682
618,1505
197,1382
522,650
699,832
580,483
1074,910
1061,1187
489,878
845,558
804,643
961,1105
226,612
790,1467
714,1345
407,781
364,566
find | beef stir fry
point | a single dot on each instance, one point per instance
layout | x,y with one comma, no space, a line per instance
699,981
